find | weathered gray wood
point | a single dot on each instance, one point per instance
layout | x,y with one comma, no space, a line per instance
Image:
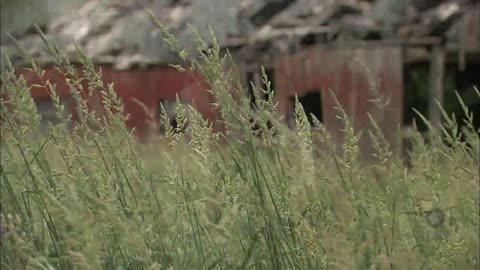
437,72
257,78
461,44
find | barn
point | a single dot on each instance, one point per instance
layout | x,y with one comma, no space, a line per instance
364,53
367,53
128,48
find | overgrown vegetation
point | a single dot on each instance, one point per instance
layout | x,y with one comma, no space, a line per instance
92,198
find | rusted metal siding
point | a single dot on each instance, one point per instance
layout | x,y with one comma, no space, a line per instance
356,76
147,86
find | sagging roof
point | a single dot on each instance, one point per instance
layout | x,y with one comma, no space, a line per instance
113,33
327,21
121,32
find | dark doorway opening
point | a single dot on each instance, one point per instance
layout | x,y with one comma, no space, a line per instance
48,113
417,92
311,103
416,96
256,77
250,80
271,77
464,82
171,113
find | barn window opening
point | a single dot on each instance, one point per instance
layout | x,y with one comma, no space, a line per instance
169,106
312,105
372,35
250,80
271,77
464,82
48,113
309,39
256,78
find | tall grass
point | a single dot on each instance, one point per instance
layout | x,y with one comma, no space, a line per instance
263,198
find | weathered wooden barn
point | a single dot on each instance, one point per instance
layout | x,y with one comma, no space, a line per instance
141,92
121,40
363,51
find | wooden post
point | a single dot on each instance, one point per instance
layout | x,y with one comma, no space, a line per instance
257,78
462,43
242,72
437,72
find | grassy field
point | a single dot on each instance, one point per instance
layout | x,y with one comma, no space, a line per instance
93,198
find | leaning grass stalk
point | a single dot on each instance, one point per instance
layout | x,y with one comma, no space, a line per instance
258,171
256,163
193,220
11,193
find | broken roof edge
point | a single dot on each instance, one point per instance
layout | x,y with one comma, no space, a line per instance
20,62
123,35
249,55
304,31
35,48
435,23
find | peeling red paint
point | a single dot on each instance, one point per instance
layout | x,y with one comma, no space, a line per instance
345,71
148,86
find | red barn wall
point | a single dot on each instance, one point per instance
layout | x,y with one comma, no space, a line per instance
349,73
148,86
